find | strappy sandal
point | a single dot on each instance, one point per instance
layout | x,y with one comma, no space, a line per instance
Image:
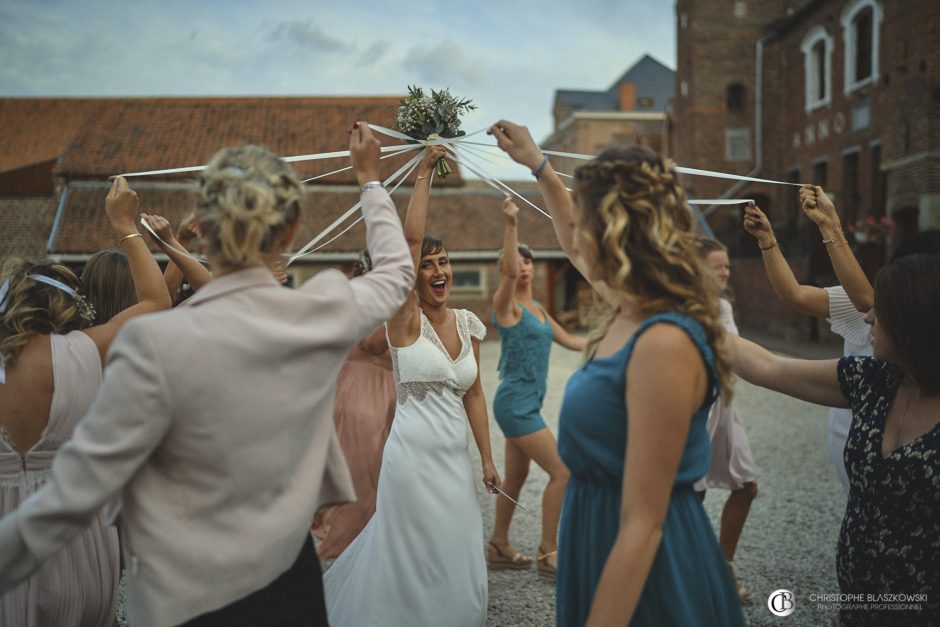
743,593
545,568
497,560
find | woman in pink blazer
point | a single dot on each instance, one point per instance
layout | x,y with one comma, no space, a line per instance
214,423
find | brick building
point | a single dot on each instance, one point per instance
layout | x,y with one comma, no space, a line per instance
631,111
840,93
59,152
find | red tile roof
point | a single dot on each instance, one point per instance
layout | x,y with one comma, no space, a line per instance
33,130
26,226
467,218
161,133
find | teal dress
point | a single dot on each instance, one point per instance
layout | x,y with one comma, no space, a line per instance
523,373
689,582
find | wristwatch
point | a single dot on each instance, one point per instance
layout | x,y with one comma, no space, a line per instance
372,185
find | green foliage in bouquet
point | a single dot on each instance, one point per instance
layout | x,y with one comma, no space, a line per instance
425,116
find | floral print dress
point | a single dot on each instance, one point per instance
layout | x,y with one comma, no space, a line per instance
889,544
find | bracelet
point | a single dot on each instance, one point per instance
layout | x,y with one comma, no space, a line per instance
121,241
835,244
537,172
372,185
772,244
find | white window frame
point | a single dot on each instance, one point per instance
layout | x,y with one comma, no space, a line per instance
480,288
811,74
848,37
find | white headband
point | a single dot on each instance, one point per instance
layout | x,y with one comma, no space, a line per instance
36,277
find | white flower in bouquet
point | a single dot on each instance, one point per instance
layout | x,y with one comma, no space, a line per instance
423,116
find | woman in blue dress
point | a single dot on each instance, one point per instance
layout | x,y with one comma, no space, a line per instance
636,546
526,332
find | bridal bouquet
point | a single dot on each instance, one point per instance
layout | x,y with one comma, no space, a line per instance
433,116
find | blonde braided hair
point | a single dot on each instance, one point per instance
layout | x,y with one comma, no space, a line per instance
245,196
633,211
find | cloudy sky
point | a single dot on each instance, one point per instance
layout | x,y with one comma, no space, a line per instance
508,56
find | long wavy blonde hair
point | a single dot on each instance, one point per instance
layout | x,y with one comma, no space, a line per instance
634,212
33,308
245,196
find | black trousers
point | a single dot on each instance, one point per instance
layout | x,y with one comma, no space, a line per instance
294,599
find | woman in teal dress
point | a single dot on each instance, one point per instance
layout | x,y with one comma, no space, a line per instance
636,546
526,332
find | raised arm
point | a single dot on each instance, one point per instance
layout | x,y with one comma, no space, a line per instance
404,326
819,208
122,208
811,380
807,298
181,264
518,144
666,383
382,291
504,305
475,404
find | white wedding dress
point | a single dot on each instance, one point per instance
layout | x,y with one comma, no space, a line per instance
419,561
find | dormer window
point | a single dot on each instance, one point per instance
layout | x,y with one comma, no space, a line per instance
817,61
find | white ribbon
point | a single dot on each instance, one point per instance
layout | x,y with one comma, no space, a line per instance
682,170
312,157
41,278
412,164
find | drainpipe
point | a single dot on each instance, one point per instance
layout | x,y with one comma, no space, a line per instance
58,218
758,128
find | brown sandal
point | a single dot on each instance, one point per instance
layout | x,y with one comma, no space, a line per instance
497,560
544,567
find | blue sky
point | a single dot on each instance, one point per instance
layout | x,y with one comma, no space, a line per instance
508,56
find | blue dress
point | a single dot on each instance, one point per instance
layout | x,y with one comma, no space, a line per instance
689,582
523,373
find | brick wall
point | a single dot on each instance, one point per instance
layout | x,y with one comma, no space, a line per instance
896,155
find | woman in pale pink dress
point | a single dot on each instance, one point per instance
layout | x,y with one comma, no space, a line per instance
732,466
363,412
49,376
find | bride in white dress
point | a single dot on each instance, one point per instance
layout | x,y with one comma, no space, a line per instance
419,561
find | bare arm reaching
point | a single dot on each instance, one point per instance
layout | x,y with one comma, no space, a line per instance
404,326
122,208
819,208
518,144
807,298
811,380
475,404
504,305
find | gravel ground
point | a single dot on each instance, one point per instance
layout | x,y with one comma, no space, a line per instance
789,540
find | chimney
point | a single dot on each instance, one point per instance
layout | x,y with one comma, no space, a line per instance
627,96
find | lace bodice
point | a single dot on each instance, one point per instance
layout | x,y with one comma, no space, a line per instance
425,366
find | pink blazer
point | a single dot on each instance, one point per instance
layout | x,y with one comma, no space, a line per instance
215,426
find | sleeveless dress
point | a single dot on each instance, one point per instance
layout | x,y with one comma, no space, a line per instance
419,561
523,372
689,582
363,412
76,587
732,460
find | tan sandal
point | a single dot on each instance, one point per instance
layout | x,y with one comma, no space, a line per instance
497,560
545,568
743,593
